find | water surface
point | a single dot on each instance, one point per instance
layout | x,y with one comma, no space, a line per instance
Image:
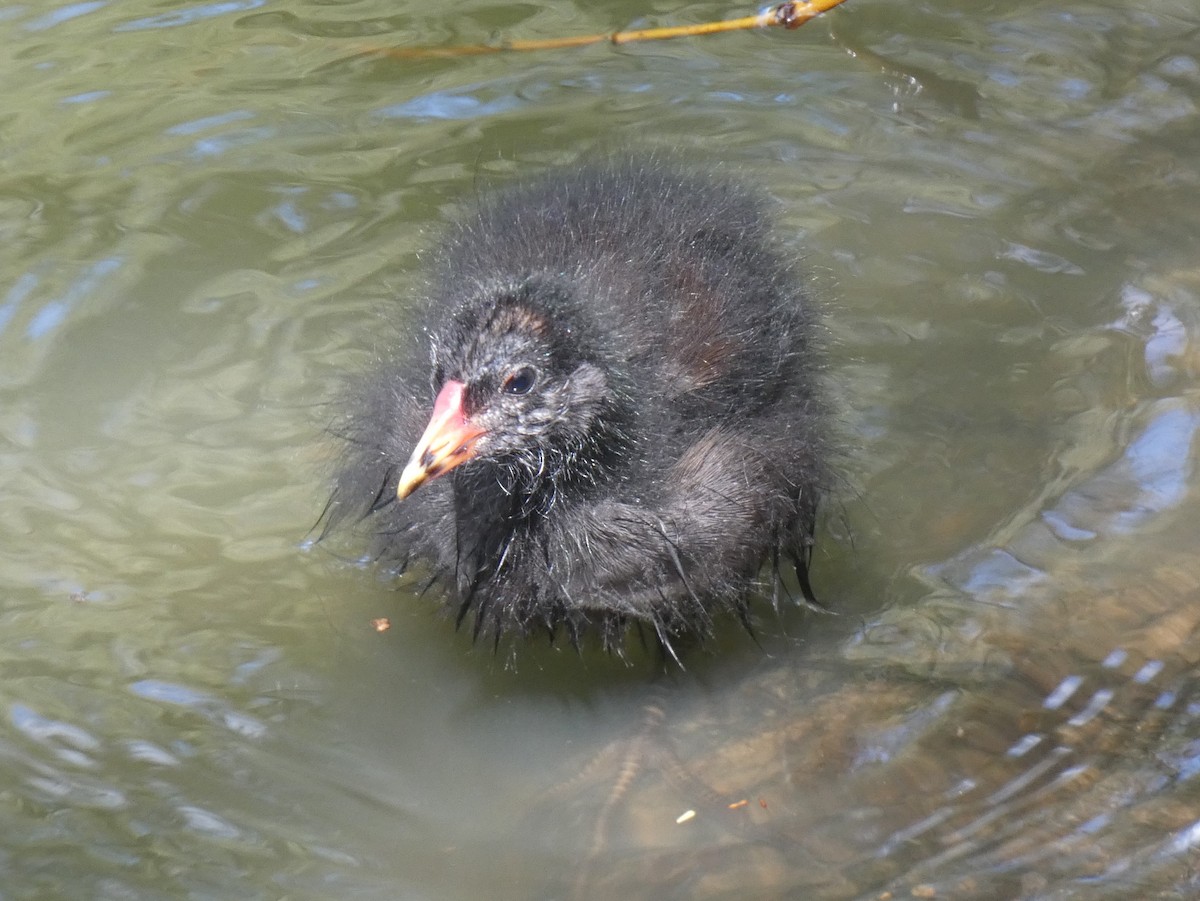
208,208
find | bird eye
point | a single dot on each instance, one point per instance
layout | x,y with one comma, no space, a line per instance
520,381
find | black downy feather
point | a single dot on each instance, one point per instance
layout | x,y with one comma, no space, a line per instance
673,441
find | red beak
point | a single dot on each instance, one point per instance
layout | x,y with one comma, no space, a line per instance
448,441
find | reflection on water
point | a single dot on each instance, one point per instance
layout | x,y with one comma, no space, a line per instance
1031,726
206,209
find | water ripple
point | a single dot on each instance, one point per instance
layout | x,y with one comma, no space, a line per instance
210,707
189,16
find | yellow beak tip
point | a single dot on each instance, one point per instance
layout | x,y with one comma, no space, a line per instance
410,480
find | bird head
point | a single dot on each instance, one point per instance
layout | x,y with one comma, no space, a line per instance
515,379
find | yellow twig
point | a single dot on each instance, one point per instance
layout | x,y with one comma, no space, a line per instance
785,15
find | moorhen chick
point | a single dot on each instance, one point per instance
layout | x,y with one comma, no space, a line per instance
611,413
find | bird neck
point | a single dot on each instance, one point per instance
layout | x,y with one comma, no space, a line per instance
518,492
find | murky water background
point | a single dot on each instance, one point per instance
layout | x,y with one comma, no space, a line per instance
205,208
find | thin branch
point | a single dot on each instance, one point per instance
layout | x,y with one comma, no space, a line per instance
783,15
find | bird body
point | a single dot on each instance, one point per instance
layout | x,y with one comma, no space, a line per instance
610,413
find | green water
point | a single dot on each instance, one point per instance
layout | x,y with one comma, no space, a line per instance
205,209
